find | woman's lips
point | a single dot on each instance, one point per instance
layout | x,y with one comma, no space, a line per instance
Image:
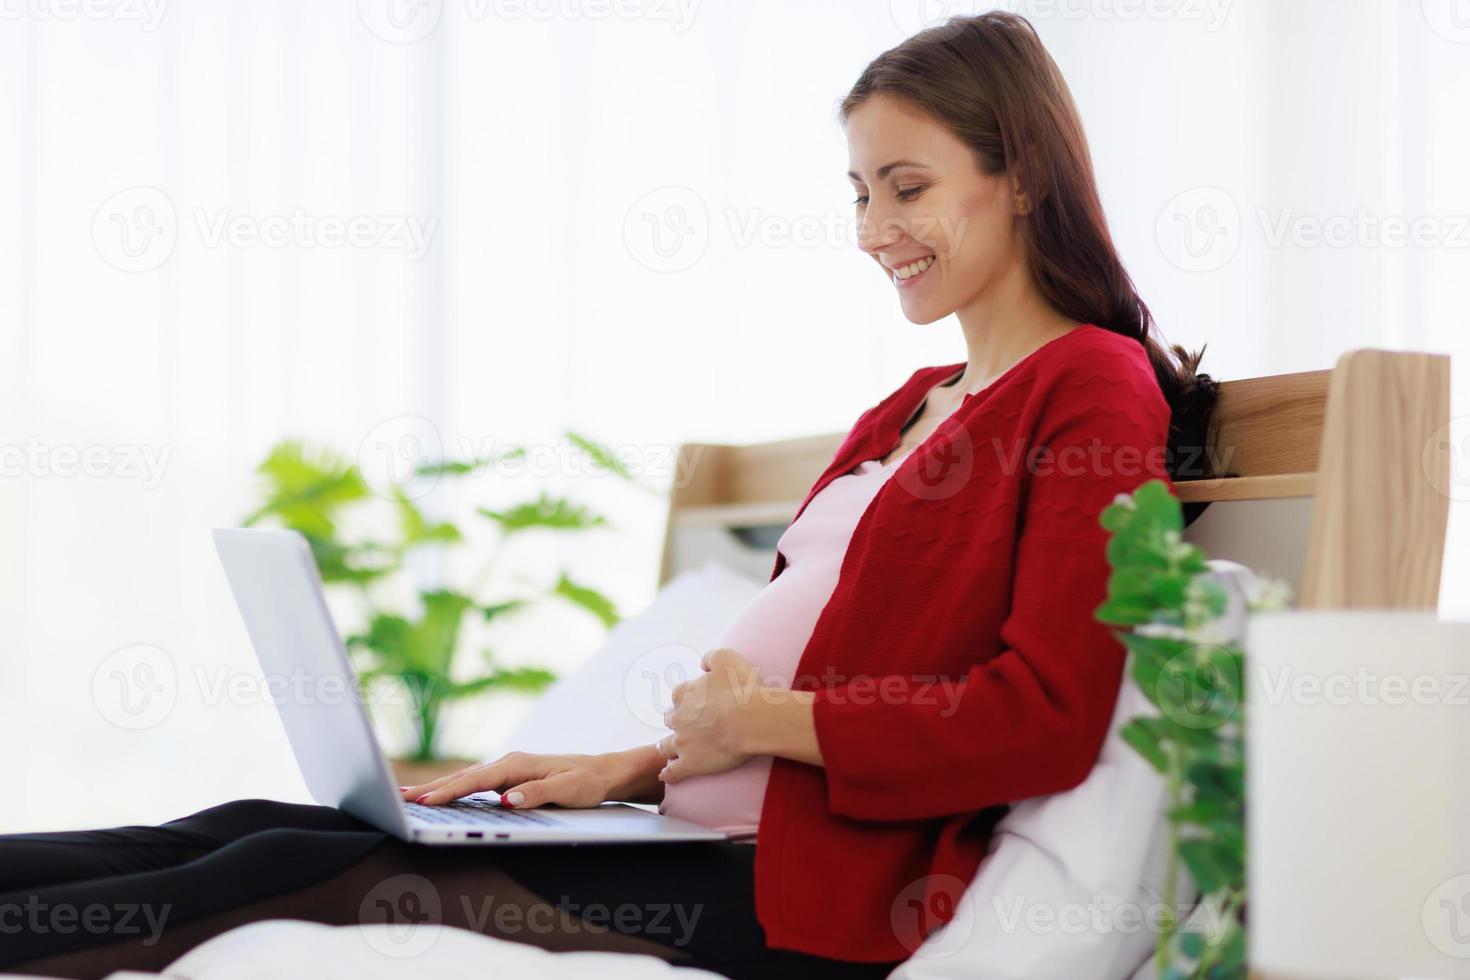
911,281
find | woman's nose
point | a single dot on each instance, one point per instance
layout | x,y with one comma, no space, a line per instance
877,230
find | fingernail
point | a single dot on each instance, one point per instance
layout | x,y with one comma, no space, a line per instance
513,798
422,798
661,773
403,789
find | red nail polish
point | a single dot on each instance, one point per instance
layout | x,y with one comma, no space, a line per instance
422,798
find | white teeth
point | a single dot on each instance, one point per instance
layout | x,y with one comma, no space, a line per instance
913,269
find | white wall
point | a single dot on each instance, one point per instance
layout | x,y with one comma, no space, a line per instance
536,149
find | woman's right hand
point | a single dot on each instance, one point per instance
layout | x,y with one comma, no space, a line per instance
525,780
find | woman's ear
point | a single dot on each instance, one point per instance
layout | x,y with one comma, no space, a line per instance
1020,197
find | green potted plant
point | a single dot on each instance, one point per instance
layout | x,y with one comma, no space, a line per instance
414,648
1194,675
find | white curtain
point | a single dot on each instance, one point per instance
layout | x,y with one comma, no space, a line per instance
226,223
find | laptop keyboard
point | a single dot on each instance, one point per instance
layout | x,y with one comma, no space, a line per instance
475,810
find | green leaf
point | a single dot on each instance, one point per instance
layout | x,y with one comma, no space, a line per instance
1213,595
499,609
423,647
1145,740
1116,516
588,598
451,467
1138,546
1229,832
355,564
417,529
306,489
553,513
1191,944
1157,507
1132,582
602,456
1124,612
389,640
1233,952
527,680
437,634
1201,812
1216,779
1203,859
1170,589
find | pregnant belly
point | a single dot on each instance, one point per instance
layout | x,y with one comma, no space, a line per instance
726,801
770,633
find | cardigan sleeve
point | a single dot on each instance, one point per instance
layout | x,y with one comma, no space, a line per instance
1031,720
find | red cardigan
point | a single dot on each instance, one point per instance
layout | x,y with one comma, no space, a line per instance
957,666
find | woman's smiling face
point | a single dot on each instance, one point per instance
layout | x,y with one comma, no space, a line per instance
943,231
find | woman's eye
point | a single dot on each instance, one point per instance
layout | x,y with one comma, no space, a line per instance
904,194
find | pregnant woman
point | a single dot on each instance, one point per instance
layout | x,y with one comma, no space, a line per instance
924,654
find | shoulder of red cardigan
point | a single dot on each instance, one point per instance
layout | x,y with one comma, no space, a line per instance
1120,363
1091,367
1072,368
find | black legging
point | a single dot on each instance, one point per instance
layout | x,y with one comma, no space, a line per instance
85,903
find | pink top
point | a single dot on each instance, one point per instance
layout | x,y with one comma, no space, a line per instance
773,631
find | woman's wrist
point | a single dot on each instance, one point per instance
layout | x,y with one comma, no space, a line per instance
780,722
633,774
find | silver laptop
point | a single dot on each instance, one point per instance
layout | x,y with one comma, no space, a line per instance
279,593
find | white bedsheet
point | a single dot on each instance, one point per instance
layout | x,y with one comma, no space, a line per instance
285,948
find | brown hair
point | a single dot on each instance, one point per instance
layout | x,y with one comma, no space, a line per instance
990,80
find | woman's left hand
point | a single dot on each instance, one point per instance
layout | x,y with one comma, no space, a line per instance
711,717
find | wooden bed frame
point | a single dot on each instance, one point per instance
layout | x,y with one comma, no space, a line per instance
1339,484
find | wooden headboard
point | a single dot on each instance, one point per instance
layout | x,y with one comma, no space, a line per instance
1338,482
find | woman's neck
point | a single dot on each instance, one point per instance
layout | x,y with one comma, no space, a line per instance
1005,325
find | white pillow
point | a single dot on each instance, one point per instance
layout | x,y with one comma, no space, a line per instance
618,698
1049,901
280,947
